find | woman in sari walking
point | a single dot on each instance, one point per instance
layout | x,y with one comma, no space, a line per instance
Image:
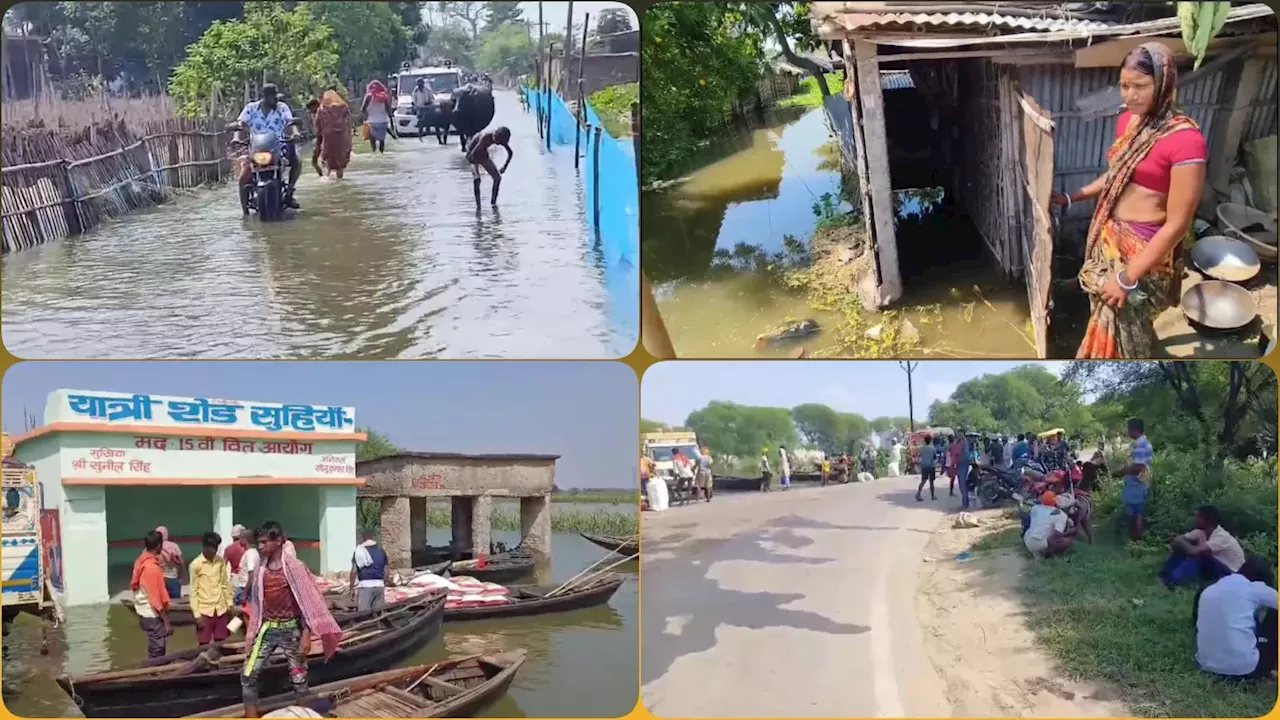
333,126
1147,201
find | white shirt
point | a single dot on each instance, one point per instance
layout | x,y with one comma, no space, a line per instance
142,605
1226,639
784,465
1225,548
248,563
422,97
1045,521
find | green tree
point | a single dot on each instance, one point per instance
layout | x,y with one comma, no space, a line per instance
819,425
697,59
290,47
853,430
499,15
377,446
787,24
647,426
507,48
741,430
372,38
450,42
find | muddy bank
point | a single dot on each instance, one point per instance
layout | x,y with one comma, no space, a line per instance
978,638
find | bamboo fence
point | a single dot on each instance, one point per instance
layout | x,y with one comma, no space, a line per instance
57,184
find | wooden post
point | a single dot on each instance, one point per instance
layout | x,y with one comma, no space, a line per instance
582,101
562,81
551,51
71,206
595,181
876,152
577,129
635,135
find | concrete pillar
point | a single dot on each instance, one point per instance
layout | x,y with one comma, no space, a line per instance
84,544
535,525
417,524
337,527
481,534
460,523
223,519
394,537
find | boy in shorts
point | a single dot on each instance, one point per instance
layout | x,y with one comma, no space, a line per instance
478,156
1137,479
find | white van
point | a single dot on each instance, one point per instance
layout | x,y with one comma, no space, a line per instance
444,81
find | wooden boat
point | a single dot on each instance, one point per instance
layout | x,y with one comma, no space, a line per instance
533,600
525,600
457,687
624,545
180,610
189,682
500,568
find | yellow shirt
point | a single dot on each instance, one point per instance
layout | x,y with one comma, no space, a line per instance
210,586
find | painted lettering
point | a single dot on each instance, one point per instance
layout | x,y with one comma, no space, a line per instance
148,442
79,463
429,482
139,466
91,405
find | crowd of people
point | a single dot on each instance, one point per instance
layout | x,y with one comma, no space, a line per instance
256,580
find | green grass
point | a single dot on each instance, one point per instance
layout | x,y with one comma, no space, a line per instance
810,96
613,105
1103,615
566,521
602,496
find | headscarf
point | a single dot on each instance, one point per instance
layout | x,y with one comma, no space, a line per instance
378,91
1142,134
331,98
169,551
1049,499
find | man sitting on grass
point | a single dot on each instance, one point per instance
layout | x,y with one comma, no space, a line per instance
1235,621
1047,529
1208,552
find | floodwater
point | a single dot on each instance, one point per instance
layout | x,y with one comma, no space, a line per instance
581,664
394,261
701,236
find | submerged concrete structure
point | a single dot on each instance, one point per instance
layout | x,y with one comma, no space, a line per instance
404,483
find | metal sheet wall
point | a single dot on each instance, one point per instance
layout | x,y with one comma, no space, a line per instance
1080,145
1262,118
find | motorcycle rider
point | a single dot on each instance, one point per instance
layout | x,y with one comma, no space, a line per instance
269,115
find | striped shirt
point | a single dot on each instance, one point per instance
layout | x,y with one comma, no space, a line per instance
1135,488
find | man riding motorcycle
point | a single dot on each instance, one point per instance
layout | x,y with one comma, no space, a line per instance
268,115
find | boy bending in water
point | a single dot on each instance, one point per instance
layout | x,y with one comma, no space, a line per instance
478,155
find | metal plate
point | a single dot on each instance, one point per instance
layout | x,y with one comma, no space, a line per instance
1219,305
1224,258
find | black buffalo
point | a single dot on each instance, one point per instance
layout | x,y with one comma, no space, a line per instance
473,111
439,119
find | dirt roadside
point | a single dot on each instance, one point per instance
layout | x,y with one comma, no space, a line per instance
976,634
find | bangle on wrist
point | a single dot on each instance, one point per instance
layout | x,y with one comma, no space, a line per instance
1120,278
1068,196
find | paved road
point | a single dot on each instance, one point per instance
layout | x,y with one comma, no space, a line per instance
796,604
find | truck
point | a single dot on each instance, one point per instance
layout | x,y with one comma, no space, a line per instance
658,446
444,79
24,564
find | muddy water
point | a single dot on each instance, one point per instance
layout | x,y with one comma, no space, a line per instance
581,664
762,189
394,261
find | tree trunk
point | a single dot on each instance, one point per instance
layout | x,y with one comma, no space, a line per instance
812,67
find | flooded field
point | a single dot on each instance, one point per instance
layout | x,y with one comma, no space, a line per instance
395,261
581,664
707,243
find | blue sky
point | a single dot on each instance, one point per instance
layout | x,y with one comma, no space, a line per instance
672,390
586,412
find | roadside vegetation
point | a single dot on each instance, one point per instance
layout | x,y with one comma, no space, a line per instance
563,520
810,95
613,105
1100,611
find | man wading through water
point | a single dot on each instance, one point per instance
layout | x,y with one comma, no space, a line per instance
285,610
478,155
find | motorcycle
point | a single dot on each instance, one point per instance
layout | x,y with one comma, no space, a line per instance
996,485
268,193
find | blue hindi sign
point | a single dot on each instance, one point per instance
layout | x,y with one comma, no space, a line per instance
77,406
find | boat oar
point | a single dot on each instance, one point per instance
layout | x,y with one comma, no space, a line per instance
575,577
423,677
593,576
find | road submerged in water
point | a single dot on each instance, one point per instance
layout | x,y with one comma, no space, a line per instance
394,261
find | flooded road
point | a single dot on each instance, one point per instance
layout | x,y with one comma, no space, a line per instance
708,242
581,664
394,261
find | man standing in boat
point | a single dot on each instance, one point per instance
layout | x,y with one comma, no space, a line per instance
369,569
150,596
285,610
211,594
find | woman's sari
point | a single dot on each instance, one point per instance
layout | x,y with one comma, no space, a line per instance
333,125
1129,332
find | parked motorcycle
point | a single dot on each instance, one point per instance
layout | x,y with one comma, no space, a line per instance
996,485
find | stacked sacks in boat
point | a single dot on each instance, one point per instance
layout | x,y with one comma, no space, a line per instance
476,593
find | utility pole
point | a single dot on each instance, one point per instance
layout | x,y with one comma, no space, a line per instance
909,367
562,81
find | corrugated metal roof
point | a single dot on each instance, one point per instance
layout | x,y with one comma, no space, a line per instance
896,80
832,20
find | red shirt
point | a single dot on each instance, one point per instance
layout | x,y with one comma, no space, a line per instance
1179,148
233,554
278,602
